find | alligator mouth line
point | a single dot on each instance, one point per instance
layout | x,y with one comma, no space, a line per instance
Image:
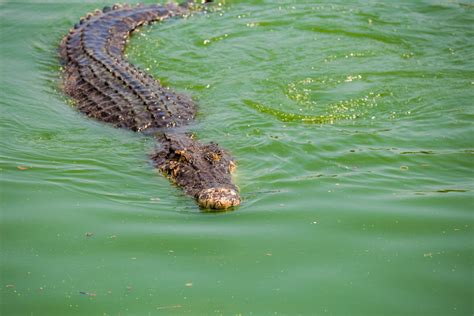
107,87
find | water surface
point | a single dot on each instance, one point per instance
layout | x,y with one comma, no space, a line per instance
352,127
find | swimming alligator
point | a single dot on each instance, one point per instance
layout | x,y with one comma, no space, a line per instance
107,87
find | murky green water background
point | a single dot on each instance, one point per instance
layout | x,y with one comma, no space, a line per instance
352,124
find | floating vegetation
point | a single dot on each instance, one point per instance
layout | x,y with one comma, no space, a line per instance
293,117
308,95
211,40
316,94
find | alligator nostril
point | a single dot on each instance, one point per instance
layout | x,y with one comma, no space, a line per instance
218,198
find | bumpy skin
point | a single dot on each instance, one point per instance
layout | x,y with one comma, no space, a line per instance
106,87
203,171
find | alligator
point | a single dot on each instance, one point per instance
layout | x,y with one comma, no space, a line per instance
105,86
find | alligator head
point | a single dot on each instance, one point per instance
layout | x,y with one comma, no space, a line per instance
202,170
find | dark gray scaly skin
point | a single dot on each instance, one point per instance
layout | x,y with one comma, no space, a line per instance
106,87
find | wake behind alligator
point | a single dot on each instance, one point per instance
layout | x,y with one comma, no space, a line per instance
106,87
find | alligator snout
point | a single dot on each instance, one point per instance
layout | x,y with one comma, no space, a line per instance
218,198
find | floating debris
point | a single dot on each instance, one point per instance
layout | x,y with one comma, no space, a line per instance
450,190
169,307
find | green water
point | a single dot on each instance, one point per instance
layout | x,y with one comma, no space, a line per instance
352,125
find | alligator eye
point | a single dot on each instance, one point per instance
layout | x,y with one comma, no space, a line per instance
213,156
216,156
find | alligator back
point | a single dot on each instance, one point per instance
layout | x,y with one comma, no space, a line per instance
106,86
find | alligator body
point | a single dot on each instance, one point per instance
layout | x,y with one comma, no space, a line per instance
106,87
